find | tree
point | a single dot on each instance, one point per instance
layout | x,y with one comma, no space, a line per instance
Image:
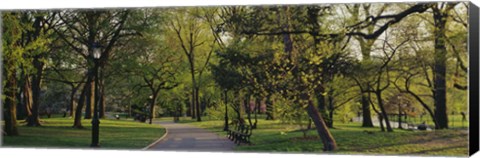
40,31
441,13
191,37
15,46
365,48
11,51
158,72
82,31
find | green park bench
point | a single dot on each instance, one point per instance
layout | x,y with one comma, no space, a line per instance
240,133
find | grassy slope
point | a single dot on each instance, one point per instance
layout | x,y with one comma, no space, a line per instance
114,134
273,136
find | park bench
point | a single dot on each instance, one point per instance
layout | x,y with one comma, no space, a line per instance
240,133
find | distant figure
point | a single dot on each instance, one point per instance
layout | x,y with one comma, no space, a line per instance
464,117
422,126
117,117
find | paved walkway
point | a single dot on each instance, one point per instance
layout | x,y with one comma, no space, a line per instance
184,137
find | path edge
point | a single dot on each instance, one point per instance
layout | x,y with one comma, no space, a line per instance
157,141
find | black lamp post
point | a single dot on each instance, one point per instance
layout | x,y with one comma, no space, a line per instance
225,128
95,120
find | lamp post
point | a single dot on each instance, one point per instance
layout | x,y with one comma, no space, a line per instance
152,108
95,120
225,128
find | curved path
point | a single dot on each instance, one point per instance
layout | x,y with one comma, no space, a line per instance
184,137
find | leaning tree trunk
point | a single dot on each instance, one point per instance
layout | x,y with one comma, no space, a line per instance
440,58
81,102
380,121
430,112
383,111
329,143
10,111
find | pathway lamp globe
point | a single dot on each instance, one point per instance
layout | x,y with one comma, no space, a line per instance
96,52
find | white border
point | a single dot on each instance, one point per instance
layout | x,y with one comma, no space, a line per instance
75,4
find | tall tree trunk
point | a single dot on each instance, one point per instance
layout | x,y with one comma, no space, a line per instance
225,102
33,120
21,106
440,58
321,100
197,105
90,101
330,117
331,109
27,97
193,106
366,115
10,111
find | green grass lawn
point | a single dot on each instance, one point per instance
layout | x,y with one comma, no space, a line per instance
58,133
275,136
